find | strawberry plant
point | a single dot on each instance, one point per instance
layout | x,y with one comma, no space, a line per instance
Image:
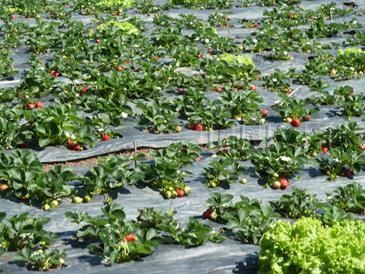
118,240
166,175
6,63
320,28
41,260
13,133
290,109
249,219
332,214
22,231
184,153
272,37
350,198
222,172
193,234
345,65
158,116
341,163
234,148
43,37
296,205
113,172
197,109
218,205
278,161
22,177
278,81
244,106
350,103
293,138
346,137
207,4
111,236
61,123
218,19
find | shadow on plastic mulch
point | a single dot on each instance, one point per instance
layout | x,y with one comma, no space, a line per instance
249,264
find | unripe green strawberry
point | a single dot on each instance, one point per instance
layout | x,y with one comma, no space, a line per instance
187,190
168,194
262,121
46,207
54,203
77,200
87,199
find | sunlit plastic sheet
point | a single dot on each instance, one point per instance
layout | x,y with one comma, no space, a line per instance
133,137
228,257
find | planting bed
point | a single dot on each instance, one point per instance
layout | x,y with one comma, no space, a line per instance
194,127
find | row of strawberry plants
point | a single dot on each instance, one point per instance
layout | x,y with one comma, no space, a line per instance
60,124
60,10
249,219
109,235
101,92
117,240
336,152
23,178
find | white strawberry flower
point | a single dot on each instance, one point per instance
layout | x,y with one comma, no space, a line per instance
284,158
124,115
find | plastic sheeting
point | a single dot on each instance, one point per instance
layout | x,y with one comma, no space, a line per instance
210,258
134,137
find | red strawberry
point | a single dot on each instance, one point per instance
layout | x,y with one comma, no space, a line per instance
39,104
180,90
324,149
347,172
362,147
191,126
23,145
131,237
207,214
98,41
180,192
105,137
55,73
76,147
199,127
295,122
70,142
119,68
264,112
31,106
218,88
253,87
284,183
13,17
200,55
84,90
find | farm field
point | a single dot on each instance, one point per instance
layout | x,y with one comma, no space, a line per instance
188,136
